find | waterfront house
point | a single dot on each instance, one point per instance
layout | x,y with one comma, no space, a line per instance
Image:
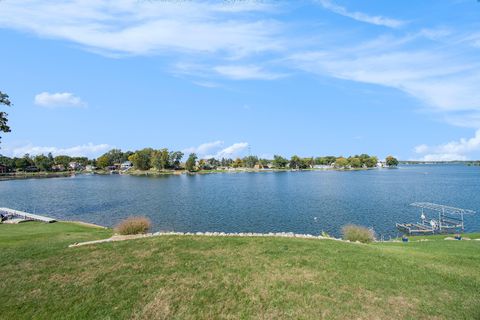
75,165
90,168
3,168
58,167
126,165
381,164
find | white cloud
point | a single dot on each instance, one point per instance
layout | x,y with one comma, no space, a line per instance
454,150
446,81
360,16
204,148
147,27
213,150
232,150
240,72
58,100
88,150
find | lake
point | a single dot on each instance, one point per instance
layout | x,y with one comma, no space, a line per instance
300,202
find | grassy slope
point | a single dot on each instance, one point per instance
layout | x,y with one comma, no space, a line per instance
212,277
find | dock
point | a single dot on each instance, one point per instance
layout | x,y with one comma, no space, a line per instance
450,219
25,215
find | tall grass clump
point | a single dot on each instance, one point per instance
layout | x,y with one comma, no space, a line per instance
133,225
357,233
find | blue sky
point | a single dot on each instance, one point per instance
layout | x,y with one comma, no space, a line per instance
324,77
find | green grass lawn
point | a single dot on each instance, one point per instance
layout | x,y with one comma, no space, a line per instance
180,277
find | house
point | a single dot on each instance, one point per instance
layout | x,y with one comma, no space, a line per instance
75,165
126,165
322,166
90,168
31,169
58,167
381,164
3,168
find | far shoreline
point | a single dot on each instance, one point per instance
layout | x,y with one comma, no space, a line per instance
153,173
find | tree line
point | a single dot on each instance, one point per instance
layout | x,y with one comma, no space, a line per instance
164,159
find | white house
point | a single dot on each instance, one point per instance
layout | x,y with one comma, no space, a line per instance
126,165
75,165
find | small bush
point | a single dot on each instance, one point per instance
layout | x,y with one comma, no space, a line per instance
357,233
133,225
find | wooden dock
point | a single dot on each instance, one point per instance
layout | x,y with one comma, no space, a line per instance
26,215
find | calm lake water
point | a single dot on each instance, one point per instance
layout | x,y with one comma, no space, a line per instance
300,202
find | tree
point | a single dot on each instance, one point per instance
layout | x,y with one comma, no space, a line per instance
341,162
104,161
23,163
325,161
295,162
391,161
43,163
191,161
250,161
160,159
175,159
371,162
238,163
279,161
355,162
3,115
142,159
62,160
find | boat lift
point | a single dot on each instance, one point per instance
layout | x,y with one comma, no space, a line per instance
449,220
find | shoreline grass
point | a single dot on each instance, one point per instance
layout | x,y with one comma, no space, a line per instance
192,277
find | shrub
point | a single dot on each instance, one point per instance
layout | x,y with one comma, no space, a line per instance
133,225
357,233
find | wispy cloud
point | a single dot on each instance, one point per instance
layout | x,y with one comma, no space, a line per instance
444,80
215,149
246,72
231,151
360,16
58,100
89,150
204,148
454,150
147,27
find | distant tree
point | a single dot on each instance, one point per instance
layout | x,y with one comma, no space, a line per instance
341,162
81,160
295,162
202,164
116,156
212,163
264,162
4,100
175,159
104,161
238,163
191,162
22,163
250,161
355,162
391,161
279,161
62,160
307,163
6,161
325,161
43,163
371,162
160,159
142,159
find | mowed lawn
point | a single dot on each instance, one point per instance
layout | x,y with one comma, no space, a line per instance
180,277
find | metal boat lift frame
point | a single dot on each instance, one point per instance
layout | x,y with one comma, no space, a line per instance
449,219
